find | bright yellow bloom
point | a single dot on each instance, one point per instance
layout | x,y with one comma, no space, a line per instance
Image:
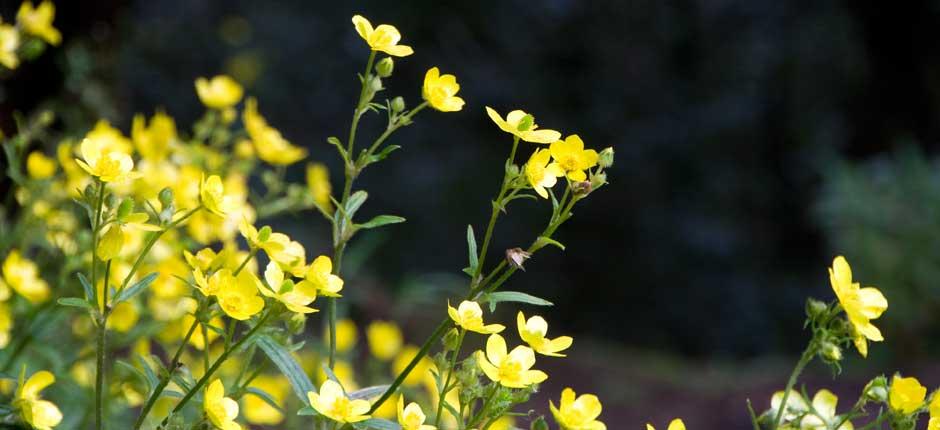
295,297
469,316
578,413
39,413
385,339
219,93
258,411
572,157
861,304
933,424
102,160
796,405
111,242
291,256
6,324
441,91
505,422
265,239
383,38
270,145
934,407
240,299
422,371
906,394
411,417
511,370
38,166
332,403
540,173
22,276
9,43
153,142
320,274
676,424
109,139
533,333
522,125
38,21
824,403
221,410
212,195
318,183
212,285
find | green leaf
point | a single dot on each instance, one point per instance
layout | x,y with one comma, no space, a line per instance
514,296
376,424
472,249
263,395
76,302
355,202
382,220
152,380
135,289
307,411
368,392
542,241
89,291
381,155
286,363
136,372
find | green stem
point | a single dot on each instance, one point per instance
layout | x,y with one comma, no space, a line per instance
435,336
251,254
165,378
486,404
99,375
95,229
405,119
357,114
807,356
497,208
450,373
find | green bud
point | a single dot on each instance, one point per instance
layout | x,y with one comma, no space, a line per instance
90,193
376,84
46,117
296,323
598,179
877,389
450,340
512,169
264,234
539,424
385,67
526,123
815,308
398,104
606,158
32,48
830,352
127,205
166,197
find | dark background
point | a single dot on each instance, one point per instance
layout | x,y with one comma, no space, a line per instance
727,118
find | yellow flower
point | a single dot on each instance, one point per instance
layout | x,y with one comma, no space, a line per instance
39,166
22,276
212,197
346,335
824,403
221,410
540,173
906,394
469,316
240,299
39,413
578,413
269,144
295,297
411,417
934,406
270,242
421,372
38,21
153,142
861,304
383,38
441,91
533,333
511,370
344,373
384,338
109,246
9,43
6,324
320,274
104,161
318,183
333,404
933,424
522,125
572,157
676,424
109,138
505,422
219,93
212,285
258,411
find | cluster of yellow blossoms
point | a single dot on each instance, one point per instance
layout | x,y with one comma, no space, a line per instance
33,28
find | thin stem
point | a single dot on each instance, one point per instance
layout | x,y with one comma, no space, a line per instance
357,114
438,332
165,378
251,254
807,356
497,208
404,119
450,373
96,226
486,404
99,375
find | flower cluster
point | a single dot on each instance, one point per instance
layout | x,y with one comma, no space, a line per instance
27,39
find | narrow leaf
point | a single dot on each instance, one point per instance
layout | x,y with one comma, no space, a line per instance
355,202
75,302
286,363
382,220
383,153
135,289
472,249
515,296
307,411
89,291
263,395
376,424
368,392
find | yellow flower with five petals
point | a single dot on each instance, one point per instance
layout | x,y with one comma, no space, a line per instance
577,413
240,299
221,92
511,370
38,21
411,417
441,91
522,125
40,414
572,157
469,316
103,161
320,274
533,331
296,297
382,38
861,305
212,195
542,174
906,395
221,410
332,403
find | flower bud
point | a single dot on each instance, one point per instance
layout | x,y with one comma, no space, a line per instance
127,205
526,123
296,323
877,389
512,169
385,67
229,115
166,197
516,257
376,84
450,340
398,104
606,158
598,179
815,308
582,188
830,352
539,424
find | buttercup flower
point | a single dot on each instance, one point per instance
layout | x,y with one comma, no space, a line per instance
469,316
332,403
240,299
153,141
796,405
38,166
861,304
295,297
511,370
540,173
269,144
212,197
22,276
411,417
111,242
318,182
385,339
219,93
221,410
572,157
934,407
382,38
824,403
265,239
38,21
39,413
320,274
522,125
906,394
102,160
6,323
9,43
577,413
441,91
533,333
676,424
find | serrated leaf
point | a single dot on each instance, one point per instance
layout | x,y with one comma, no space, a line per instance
288,366
135,289
514,296
472,250
89,291
381,220
75,302
376,424
368,392
263,395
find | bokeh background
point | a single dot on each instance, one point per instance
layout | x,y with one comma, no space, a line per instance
755,140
